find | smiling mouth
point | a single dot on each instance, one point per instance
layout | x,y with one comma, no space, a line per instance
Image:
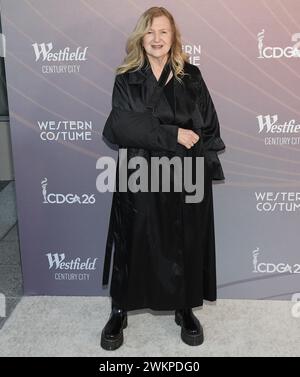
157,46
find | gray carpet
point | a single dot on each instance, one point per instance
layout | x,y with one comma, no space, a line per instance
71,326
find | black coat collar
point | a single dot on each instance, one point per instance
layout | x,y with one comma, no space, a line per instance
145,72
140,75
136,77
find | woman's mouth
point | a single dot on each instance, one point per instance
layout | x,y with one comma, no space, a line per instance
156,47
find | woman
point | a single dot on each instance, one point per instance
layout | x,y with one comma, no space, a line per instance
164,255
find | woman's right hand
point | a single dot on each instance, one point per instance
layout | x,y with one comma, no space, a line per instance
187,138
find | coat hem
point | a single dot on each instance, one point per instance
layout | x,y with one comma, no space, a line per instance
167,308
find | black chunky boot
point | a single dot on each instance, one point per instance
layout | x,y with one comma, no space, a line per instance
191,329
112,333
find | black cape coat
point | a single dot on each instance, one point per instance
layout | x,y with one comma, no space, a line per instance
164,248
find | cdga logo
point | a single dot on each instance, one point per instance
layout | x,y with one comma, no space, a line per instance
271,268
278,52
57,198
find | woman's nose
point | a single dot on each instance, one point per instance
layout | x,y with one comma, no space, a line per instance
156,37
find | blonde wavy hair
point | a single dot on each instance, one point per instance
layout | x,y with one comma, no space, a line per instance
135,58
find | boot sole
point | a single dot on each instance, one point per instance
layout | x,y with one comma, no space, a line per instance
191,340
113,344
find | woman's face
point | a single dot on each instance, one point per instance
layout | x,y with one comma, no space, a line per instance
158,40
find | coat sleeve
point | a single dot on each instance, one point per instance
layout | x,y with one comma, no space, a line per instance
212,140
129,128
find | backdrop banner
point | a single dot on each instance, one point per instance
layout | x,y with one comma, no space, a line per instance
60,64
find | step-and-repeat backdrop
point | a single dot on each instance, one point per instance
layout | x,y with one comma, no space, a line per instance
60,62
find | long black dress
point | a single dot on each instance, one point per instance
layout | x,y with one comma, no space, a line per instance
164,255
